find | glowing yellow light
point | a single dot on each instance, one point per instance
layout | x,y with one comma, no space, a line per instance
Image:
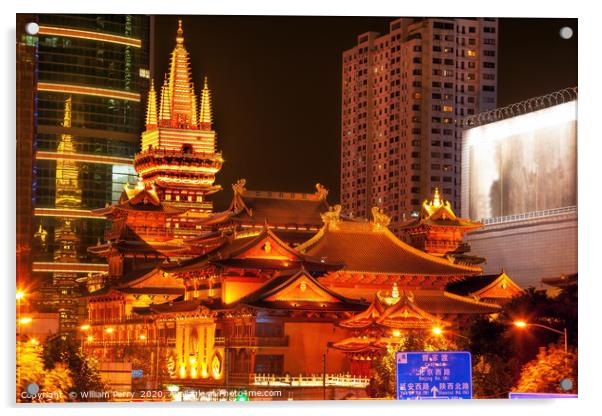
20,294
110,330
396,333
85,327
520,324
437,330
143,337
182,371
90,338
34,341
25,320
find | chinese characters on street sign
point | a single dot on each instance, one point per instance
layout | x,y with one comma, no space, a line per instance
434,375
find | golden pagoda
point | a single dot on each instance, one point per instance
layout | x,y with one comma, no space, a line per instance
179,157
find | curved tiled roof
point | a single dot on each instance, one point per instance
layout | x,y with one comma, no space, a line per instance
366,247
280,208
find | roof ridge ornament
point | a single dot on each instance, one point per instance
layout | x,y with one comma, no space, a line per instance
379,218
333,215
239,186
321,191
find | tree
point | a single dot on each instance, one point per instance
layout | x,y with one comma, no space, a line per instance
547,370
495,366
30,369
383,383
65,352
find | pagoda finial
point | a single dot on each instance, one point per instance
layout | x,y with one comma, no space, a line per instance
436,199
206,116
165,107
180,33
151,108
395,291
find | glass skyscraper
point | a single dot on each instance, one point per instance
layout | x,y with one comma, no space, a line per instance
90,72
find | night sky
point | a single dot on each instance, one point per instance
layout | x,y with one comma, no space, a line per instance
276,85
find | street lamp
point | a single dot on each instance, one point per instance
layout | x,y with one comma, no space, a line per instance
437,330
523,324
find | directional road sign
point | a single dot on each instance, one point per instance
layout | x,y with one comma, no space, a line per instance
434,375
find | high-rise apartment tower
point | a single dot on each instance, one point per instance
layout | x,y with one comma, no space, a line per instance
404,96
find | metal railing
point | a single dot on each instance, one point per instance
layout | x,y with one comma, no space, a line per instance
313,380
529,215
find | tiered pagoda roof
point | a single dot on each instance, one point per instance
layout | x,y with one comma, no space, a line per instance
398,311
438,231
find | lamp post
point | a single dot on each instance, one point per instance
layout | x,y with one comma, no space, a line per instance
523,324
437,330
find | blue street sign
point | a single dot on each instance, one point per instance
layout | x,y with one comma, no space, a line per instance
434,375
136,373
518,395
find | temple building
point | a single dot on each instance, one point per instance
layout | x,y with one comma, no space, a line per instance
279,289
438,231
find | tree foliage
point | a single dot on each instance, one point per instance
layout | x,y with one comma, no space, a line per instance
30,369
547,370
65,352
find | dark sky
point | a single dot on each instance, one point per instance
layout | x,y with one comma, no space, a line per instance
276,85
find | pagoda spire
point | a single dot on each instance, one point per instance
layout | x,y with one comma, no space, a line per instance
151,108
165,107
180,84
206,117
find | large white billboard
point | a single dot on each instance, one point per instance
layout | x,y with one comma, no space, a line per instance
521,164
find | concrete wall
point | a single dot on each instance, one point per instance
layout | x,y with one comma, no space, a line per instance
530,249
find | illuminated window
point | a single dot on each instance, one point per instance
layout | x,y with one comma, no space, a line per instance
471,53
144,73
448,108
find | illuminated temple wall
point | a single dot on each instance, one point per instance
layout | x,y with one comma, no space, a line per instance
519,177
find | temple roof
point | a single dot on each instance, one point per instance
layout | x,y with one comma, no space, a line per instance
145,281
278,208
142,197
264,250
395,311
486,286
439,212
298,290
370,247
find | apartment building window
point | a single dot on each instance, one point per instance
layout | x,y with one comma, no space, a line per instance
489,88
471,53
448,108
489,29
490,65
